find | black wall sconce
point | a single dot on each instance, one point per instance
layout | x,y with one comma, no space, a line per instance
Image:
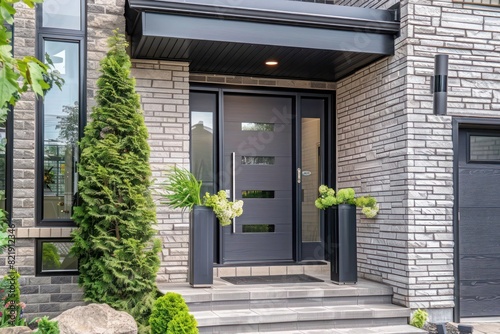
440,85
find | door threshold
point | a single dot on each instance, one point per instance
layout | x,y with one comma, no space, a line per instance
271,264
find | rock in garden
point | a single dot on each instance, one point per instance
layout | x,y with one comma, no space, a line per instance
96,319
16,330
432,329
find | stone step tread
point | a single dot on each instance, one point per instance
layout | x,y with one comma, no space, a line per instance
401,329
294,314
289,302
284,291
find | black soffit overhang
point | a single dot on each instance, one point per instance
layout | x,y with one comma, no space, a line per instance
236,37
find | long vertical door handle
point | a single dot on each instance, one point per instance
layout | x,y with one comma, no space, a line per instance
299,175
233,158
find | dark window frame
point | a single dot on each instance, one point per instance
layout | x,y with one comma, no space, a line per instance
38,259
468,148
9,150
57,35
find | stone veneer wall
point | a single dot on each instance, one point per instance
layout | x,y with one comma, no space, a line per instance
164,90
393,147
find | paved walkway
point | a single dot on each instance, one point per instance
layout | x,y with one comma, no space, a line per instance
483,325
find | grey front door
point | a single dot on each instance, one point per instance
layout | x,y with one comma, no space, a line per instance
479,223
258,168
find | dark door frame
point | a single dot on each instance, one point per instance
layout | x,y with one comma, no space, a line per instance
458,124
329,170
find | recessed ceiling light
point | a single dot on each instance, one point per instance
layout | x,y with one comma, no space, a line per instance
271,63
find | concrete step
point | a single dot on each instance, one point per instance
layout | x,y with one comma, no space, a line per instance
399,329
300,318
320,307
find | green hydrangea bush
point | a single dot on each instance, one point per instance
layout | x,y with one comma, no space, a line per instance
224,210
327,198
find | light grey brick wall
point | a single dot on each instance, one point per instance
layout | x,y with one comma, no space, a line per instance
393,147
164,90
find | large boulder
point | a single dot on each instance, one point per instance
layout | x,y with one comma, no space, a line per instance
16,330
96,319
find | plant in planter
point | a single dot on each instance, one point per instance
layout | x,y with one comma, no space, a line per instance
183,191
341,237
327,198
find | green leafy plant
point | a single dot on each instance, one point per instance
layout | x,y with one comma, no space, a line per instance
46,326
4,226
224,210
419,318
183,322
115,239
327,198
164,310
12,310
183,189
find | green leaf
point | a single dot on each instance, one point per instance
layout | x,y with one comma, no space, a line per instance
7,12
31,3
6,53
8,84
36,72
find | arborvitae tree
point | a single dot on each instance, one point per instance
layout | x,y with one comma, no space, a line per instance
115,238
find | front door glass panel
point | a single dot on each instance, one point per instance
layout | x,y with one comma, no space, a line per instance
311,176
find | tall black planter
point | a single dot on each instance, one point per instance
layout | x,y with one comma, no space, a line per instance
341,244
201,247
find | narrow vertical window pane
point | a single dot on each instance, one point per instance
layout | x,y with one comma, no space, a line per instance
203,106
60,131
64,14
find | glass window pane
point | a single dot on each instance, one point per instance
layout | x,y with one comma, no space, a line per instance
485,148
203,106
258,228
56,257
268,127
257,194
245,160
64,14
311,160
60,131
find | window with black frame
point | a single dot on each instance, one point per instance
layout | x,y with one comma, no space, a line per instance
53,257
60,120
61,114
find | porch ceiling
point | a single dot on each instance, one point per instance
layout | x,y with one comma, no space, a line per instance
309,40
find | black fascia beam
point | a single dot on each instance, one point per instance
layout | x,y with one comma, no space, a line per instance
217,30
280,11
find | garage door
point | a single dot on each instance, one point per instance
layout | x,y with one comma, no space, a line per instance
479,223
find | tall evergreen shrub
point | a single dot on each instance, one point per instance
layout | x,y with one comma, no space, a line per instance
115,237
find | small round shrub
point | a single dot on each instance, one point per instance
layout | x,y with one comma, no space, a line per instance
183,323
164,310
